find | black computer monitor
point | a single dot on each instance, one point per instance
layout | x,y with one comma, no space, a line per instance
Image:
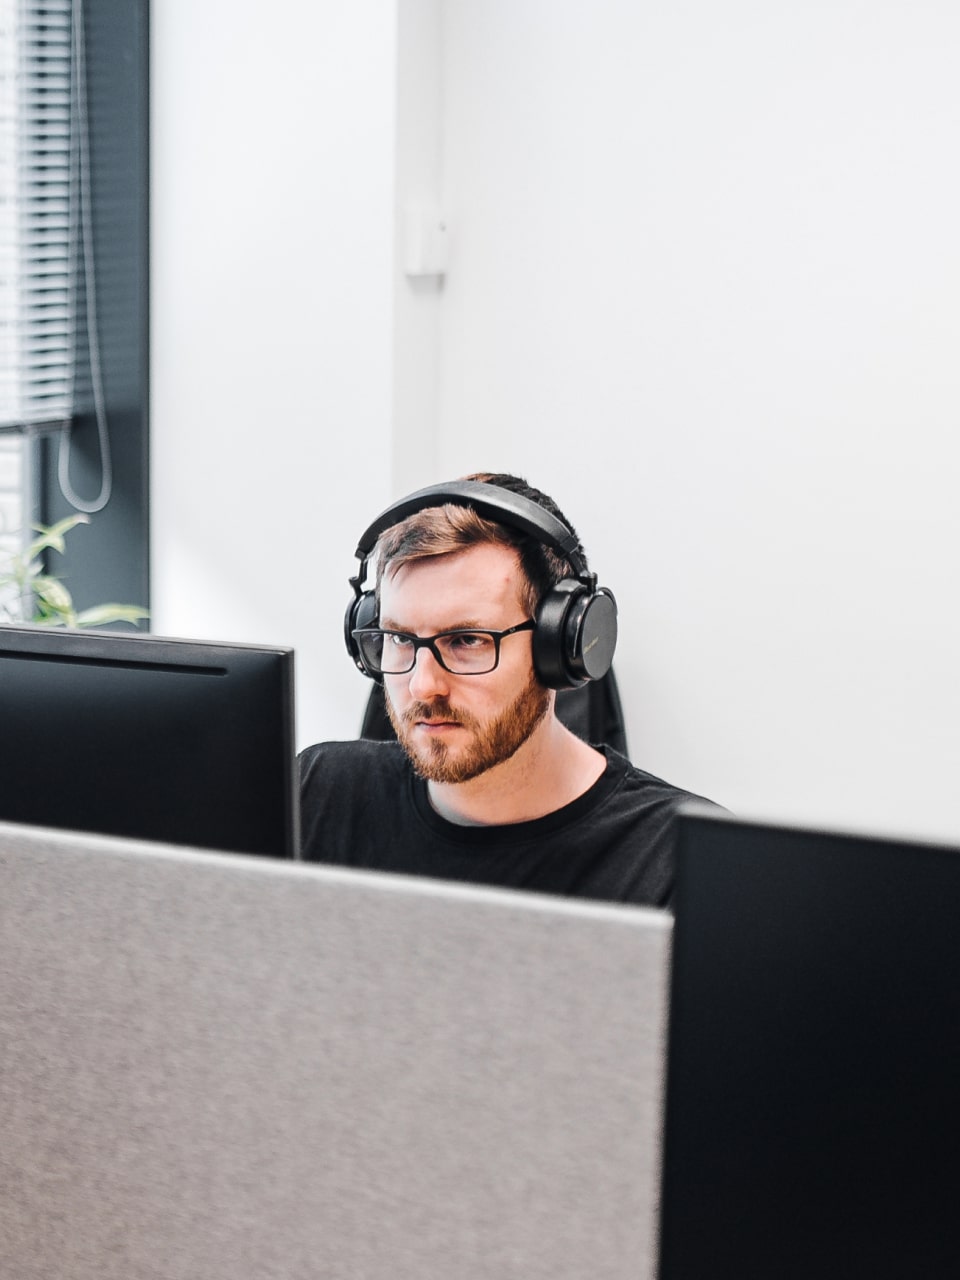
813,1082
181,741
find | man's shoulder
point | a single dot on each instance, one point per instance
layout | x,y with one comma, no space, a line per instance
635,826
350,759
351,793
640,781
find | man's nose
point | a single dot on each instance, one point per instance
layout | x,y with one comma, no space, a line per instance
428,679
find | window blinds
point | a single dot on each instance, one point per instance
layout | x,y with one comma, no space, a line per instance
48,304
39,214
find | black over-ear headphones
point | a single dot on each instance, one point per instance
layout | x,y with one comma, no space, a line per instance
576,631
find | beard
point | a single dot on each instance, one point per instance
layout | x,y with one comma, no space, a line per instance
493,741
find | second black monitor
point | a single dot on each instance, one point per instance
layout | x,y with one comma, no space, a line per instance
813,1089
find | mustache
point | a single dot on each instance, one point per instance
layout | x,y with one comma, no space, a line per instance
439,709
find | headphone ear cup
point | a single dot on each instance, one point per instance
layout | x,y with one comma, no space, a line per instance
361,612
549,638
576,635
591,638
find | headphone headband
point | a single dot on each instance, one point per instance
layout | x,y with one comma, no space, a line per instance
488,500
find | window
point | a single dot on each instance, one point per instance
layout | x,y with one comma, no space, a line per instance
73,282
39,213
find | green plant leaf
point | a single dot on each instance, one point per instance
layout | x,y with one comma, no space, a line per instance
42,597
101,614
52,595
44,618
52,535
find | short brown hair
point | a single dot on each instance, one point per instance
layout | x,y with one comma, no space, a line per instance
446,529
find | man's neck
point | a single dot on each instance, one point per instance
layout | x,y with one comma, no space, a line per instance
550,770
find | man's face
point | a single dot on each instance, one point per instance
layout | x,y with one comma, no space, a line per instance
455,728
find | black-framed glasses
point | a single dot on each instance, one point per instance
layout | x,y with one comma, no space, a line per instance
465,652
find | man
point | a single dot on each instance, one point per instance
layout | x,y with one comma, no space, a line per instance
479,609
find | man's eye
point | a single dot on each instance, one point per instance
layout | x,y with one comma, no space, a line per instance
470,640
397,642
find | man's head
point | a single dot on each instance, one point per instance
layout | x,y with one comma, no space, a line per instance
445,568
491,556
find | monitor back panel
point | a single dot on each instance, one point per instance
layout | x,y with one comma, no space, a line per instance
183,741
813,1095
224,1067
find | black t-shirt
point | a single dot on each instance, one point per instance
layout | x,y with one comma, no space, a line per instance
363,806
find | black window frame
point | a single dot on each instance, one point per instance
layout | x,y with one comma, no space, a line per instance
109,559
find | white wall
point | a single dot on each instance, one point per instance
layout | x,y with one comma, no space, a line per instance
272,215
418,298
705,288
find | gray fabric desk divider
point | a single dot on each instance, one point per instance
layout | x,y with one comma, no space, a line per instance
222,1067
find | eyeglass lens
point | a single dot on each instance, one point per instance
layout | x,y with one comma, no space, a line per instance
461,652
